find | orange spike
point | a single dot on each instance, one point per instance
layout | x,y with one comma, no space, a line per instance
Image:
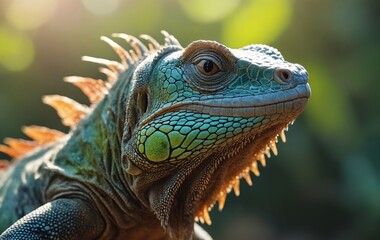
111,76
236,187
42,135
255,169
116,67
267,152
140,49
9,151
152,41
170,39
70,111
273,147
134,56
121,52
206,216
247,177
93,89
19,146
262,159
282,135
151,48
222,200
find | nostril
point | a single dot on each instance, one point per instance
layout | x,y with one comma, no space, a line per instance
283,76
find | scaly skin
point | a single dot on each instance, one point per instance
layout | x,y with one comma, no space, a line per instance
175,133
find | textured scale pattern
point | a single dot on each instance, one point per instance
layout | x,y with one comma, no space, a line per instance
46,224
177,135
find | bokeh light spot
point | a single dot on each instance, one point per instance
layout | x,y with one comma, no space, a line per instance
328,109
101,7
26,14
16,50
260,21
209,11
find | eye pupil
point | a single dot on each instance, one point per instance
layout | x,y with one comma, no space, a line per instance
208,66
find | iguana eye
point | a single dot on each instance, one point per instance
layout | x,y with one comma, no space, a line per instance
207,67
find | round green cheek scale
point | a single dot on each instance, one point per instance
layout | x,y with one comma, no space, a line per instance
157,147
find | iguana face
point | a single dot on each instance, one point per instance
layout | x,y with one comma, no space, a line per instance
202,117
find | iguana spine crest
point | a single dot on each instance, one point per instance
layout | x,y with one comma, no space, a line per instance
72,112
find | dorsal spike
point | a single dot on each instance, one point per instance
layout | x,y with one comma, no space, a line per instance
92,88
152,41
120,51
42,135
70,111
116,67
140,49
8,150
18,147
170,39
151,48
134,55
111,76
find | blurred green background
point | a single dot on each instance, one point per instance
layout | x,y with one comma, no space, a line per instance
325,184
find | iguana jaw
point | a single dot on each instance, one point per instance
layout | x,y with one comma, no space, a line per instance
191,191
210,181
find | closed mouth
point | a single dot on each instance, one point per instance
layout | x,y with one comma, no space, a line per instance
243,106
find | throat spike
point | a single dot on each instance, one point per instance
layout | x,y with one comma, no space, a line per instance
206,216
255,169
267,152
70,111
221,200
247,177
282,135
273,147
236,187
262,160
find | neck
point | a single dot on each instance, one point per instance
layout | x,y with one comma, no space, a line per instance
92,154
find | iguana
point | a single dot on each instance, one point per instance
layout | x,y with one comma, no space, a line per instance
171,132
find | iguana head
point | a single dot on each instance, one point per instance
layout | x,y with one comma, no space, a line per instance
200,119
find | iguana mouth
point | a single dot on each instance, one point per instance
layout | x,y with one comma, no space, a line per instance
243,106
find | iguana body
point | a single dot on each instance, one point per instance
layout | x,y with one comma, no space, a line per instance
171,132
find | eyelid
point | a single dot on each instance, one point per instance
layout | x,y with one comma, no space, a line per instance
200,66
214,58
